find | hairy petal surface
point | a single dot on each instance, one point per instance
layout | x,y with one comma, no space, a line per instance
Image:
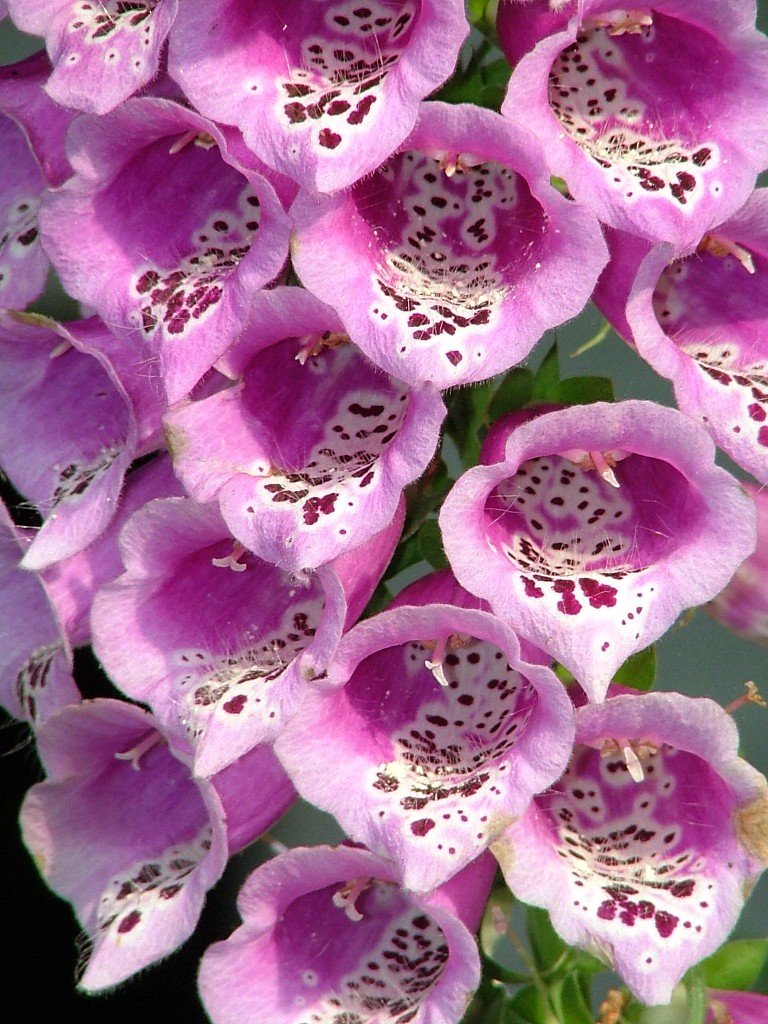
102,52
588,570
647,871
449,262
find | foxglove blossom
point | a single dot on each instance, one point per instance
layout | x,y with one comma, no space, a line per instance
441,733
449,262
308,455
102,50
743,604
219,643
643,851
653,115
600,526
35,657
120,830
163,230
68,458
72,583
327,934
700,321
323,92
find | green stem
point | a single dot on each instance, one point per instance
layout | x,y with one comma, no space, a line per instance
593,342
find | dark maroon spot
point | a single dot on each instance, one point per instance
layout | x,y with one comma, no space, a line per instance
454,357
129,922
599,594
422,826
329,139
235,705
665,923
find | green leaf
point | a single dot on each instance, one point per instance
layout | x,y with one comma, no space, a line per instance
468,418
425,496
639,670
515,391
407,553
530,1005
546,383
431,545
569,1003
546,945
736,965
585,390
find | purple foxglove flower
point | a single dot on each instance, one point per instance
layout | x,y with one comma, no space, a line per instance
700,322
121,830
23,264
449,262
102,51
327,934
323,92
743,604
602,524
309,453
643,851
736,1007
72,583
35,657
43,122
653,117
442,733
219,643
164,230
67,434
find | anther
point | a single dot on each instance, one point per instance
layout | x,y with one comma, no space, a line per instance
602,462
347,896
232,560
135,754
622,21
752,696
313,344
719,245
202,139
60,349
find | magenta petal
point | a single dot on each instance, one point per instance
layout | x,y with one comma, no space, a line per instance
23,264
665,155
121,831
35,658
737,1007
448,264
102,52
163,230
424,773
645,865
589,571
323,92
220,652
43,122
68,457
328,932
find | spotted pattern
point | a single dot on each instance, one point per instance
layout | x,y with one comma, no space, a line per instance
74,479
578,544
451,756
450,250
133,897
343,466
393,977
114,25
693,305
19,237
602,102
338,77
175,300
637,855
32,678
233,687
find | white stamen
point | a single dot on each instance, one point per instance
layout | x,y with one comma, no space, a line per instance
231,561
135,754
435,664
603,467
634,767
719,245
347,896
181,143
60,349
